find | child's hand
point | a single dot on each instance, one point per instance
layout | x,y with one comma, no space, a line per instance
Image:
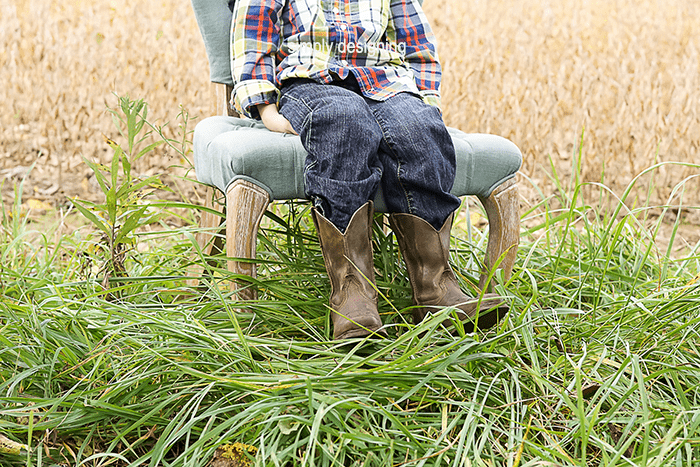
273,120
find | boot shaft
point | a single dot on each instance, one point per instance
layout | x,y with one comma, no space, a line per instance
426,253
350,253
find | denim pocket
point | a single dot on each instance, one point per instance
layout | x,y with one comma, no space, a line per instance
296,112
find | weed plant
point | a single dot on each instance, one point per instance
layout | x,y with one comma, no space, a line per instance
597,363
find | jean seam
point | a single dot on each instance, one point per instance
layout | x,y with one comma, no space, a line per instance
309,127
407,194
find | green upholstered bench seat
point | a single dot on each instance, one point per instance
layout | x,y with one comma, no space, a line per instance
229,148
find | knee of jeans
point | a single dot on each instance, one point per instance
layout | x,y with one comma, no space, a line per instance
427,120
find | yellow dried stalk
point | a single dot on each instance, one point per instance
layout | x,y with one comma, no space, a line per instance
7,446
537,72
233,455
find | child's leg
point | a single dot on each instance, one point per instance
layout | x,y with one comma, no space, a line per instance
342,175
342,171
419,162
418,159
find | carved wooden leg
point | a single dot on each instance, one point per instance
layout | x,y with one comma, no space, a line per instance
245,205
208,239
221,100
503,211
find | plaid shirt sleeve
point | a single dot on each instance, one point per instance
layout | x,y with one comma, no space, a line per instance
412,29
255,36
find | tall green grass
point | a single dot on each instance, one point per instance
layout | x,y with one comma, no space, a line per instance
597,363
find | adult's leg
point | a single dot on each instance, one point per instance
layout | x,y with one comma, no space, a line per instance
338,131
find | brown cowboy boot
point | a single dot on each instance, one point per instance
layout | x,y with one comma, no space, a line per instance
426,254
350,267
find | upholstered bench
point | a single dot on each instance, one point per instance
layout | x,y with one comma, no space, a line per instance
227,149
254,166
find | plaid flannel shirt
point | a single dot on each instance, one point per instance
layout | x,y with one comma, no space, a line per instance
387,45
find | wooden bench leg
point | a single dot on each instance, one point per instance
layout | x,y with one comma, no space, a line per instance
503,211
209,239
245,206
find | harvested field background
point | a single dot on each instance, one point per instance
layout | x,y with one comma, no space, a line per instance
622,73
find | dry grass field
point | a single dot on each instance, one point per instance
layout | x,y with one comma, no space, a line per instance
622,73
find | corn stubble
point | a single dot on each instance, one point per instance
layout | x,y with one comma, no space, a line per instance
540,73
535,72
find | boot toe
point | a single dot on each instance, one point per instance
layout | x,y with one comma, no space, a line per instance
489,312
359,331
363,324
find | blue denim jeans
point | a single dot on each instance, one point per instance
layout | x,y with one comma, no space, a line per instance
356,144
